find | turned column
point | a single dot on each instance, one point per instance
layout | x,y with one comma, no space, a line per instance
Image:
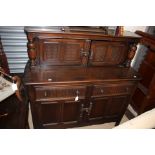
131,54
3,59
31,50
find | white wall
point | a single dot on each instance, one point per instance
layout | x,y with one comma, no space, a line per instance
134,28
139,54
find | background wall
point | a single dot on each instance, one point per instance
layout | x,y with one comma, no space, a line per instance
141,51
134,28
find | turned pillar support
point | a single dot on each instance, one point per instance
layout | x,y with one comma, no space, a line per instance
131,54
31,50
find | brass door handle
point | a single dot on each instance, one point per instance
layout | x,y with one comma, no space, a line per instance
91,55
77,95
102,91
81,110
90,108
83,53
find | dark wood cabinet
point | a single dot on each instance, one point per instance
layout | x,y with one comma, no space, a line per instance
77,78
144,97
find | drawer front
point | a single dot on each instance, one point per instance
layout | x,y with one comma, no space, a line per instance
60,92
112,89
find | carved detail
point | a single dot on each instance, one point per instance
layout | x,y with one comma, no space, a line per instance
3,60
85,52
131,54
31,51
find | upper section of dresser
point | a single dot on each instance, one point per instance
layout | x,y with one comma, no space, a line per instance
80,46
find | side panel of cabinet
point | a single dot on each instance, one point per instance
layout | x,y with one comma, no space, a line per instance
108,53
116,106
60,51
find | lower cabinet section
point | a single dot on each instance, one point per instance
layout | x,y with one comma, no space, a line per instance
55,114
108,108
74,112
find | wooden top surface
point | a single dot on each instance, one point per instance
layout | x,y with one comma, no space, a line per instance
76,74
87,30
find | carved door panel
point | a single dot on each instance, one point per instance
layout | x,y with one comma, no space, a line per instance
116,106
49,114
71,113
72,51
107,108
107,53
61,51
97,109
58,114
50,51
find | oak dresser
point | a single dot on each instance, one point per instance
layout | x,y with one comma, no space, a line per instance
79,76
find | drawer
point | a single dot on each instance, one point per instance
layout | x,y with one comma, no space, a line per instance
60,92
112,89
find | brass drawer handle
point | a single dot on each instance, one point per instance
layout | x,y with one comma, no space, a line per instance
49,80
91,55
83,53
87,110
45,93
102,91
77,95
3,115
90,108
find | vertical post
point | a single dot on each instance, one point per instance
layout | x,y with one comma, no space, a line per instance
131,54
3,59
31,50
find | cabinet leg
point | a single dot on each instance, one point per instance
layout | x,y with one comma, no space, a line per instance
117,122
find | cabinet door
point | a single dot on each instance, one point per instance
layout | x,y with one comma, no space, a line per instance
107,109
58,114
61,51
97,109
108,53
71,113
72,51
48,114
58,106
116,106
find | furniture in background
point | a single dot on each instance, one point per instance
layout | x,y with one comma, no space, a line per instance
3,59
14,109
143,121
144,96
79,76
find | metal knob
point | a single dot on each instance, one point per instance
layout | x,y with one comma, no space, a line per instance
45,94
77,96
49,79
102,91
